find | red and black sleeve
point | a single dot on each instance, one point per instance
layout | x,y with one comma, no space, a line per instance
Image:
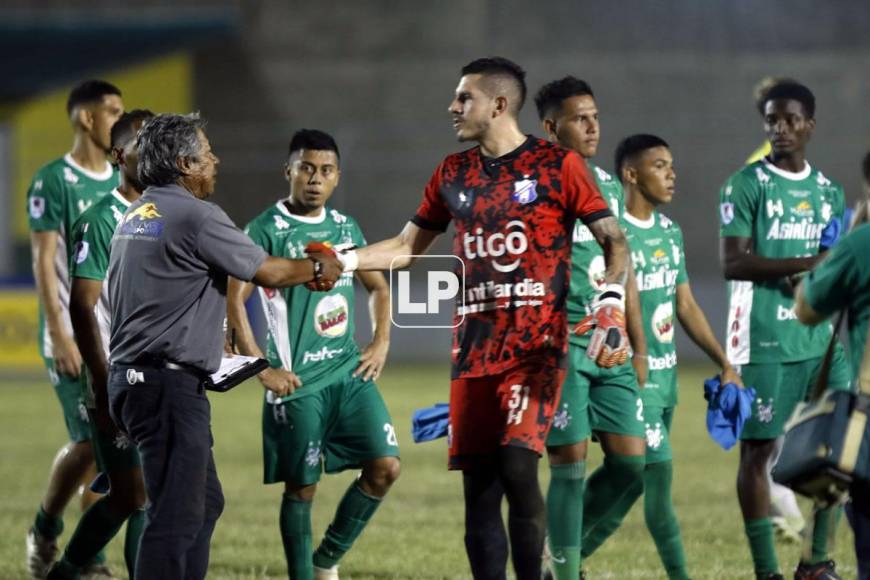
582,194
433,214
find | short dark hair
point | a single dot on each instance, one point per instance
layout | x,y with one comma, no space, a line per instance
89,92
795,91
162,140
632,146
122,130
499,66
312,139
865,167
759,91
550,96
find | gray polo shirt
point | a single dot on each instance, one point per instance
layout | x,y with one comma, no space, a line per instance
168,278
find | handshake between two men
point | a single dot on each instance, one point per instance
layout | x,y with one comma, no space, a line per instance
608,345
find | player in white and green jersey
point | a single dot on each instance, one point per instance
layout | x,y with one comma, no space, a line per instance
645,165
322,410
772,214
605,401
91,321
59,193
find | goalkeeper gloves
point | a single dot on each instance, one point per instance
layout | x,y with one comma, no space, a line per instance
608,345
315,251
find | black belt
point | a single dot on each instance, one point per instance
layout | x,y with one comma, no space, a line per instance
163,363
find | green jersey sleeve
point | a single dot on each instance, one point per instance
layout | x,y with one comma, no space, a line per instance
45,202
92,240
357,235
738,202
258,234
828,287
682,273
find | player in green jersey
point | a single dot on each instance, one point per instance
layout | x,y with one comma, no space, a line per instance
842,282
322,409
785,514
594,399
772,214
645,166
90,316
59,193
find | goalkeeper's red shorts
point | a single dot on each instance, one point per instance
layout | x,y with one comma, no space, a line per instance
515,407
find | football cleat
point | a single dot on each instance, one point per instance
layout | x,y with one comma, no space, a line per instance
97,572
326,573
41,554
787,529
819,571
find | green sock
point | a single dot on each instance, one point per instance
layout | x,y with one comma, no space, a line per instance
98,526
47,525
565,518
661,520
760,535
610,492
296,536
135,525
824,530
354,511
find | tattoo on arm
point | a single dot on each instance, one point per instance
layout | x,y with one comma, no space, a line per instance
612,240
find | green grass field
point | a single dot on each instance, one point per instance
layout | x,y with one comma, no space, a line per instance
418,531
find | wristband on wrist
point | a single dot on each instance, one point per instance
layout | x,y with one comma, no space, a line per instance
349,260
613,294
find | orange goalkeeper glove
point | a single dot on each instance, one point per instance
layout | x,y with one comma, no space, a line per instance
315,250
608,345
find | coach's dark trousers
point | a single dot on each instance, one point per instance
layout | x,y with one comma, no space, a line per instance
167,415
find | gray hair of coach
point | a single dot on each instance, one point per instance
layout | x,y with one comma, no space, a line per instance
162,141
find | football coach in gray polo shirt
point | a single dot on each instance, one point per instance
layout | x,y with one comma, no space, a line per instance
170,258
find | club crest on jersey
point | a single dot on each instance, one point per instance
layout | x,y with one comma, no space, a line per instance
331,316
525,191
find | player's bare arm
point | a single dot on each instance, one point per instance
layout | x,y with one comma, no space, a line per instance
281,272
84,295
740,263
612,240
67,359
634,326
805,313
374,356
394,252
277,380
695,323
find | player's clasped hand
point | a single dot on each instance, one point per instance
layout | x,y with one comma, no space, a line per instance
327,267
67,359
372,360
609,345
279,381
